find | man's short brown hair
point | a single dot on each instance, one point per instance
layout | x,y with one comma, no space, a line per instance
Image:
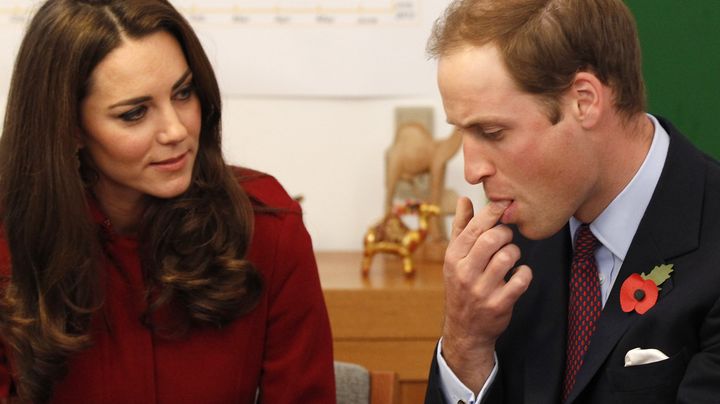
544,43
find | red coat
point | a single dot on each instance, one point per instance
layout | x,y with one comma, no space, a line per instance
283,347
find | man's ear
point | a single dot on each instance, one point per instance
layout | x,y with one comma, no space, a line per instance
588,97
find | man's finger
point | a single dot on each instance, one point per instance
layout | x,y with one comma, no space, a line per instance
517,284
496,266
463,214
480,223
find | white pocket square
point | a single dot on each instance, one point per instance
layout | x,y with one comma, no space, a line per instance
639,356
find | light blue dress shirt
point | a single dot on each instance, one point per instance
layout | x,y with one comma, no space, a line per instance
615,228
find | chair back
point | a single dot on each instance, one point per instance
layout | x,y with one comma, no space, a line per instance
356,385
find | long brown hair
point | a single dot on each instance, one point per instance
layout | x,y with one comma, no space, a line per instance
192,246
544,43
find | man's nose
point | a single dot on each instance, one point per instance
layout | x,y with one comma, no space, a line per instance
476,162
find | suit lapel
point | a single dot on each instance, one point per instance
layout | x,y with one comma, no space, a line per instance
661,235
613,321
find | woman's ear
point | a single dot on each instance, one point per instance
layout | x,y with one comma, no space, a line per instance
588,97
79,138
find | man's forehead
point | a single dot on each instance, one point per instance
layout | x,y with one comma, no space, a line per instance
474,63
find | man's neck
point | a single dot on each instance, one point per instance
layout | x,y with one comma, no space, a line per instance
624,148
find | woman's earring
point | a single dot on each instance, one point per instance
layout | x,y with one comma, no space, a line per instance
87,171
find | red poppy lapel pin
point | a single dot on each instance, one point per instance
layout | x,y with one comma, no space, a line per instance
639,292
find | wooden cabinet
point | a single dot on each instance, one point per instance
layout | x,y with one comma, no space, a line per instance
385,321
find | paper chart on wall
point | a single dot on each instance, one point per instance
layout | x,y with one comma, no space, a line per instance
299,48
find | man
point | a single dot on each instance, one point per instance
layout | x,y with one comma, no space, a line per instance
611,212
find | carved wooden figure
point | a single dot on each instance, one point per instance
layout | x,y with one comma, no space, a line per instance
414,152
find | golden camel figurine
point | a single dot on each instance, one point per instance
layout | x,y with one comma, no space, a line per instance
391,235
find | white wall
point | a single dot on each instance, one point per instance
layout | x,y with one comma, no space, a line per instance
329,151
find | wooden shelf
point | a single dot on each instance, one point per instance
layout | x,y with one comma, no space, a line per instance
385,321
341,270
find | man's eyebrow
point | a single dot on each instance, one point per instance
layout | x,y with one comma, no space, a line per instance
139,100
479,121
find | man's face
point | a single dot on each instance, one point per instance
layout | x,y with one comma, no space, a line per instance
546,171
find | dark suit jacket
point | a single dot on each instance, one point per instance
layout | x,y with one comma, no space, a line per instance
681,226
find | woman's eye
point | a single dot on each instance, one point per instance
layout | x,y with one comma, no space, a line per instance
184,93
134,114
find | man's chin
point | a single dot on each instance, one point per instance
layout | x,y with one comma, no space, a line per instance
535,232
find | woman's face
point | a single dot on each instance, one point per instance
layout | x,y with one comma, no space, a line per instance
141,121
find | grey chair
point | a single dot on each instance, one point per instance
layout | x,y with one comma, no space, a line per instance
357,385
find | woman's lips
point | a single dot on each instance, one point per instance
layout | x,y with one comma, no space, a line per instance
172,164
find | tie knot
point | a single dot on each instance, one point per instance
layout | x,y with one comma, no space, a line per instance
585,241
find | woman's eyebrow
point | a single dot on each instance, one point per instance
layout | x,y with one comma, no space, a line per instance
182,79
140,100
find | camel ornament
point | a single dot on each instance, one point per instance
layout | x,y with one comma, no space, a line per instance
415,153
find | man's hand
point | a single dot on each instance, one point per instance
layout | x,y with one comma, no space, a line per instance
478,301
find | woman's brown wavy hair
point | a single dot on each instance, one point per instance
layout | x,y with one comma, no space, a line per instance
192,246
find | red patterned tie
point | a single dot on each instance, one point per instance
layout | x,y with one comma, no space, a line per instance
585,303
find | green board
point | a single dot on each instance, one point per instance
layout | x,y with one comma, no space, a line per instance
681,61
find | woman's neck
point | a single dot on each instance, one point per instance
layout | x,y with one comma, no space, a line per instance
124,210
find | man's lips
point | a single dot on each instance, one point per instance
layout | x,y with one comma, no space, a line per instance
508,215
493,198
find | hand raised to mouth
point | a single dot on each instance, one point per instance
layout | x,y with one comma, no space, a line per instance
478,300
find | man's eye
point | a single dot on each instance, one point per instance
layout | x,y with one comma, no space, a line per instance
494,134
489,134
134,114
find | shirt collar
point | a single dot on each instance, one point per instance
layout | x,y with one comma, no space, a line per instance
615,227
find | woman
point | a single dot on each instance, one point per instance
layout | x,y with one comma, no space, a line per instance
136,266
